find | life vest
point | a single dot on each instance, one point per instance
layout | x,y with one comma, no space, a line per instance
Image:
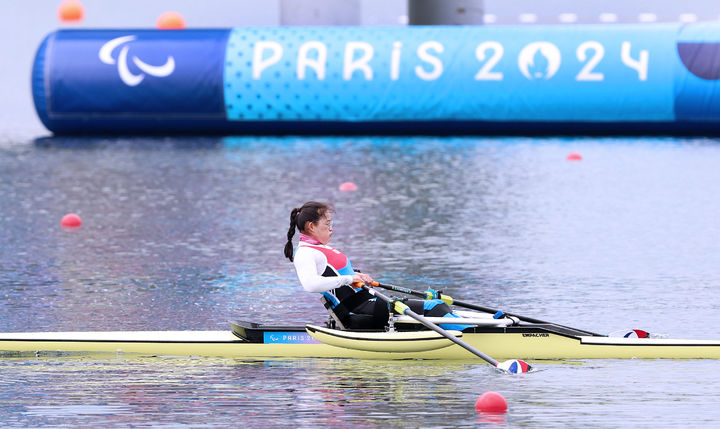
337,263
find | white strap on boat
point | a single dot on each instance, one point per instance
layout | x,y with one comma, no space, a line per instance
479,320
648,341
126,336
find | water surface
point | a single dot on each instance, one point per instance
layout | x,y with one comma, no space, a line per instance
187,233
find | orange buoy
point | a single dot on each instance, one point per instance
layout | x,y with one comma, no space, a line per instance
71,220
348,186
170,21
491,402
574,156
71,11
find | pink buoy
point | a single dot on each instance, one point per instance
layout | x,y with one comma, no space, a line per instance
348,186
491,402
71,11
574,156
170,21
71,220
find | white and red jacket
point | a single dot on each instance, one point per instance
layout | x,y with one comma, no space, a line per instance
322,268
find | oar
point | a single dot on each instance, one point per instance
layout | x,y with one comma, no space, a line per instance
509,366
451,301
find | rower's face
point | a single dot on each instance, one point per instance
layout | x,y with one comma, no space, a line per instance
323,229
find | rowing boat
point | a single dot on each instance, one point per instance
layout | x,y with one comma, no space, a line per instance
503,338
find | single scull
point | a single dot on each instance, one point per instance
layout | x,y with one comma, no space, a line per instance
503,338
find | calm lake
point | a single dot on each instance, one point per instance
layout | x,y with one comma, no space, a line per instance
187,233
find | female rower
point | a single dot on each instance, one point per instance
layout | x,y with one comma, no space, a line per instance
324,269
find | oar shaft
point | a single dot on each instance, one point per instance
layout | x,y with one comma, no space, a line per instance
436,328
400,289
451,337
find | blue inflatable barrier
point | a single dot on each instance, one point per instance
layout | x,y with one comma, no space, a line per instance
592,78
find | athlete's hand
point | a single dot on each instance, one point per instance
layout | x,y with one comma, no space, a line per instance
362,278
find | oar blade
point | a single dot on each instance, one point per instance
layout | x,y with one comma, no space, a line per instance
514,366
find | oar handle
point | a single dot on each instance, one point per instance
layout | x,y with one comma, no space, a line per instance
447,299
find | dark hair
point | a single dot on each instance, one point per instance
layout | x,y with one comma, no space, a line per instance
311,211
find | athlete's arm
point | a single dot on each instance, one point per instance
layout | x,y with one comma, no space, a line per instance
307,262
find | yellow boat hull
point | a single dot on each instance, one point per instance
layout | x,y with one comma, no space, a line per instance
501,345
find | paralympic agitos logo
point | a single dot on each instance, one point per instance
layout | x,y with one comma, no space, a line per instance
128,77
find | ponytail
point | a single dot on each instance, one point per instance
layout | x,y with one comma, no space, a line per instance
311,211
290,233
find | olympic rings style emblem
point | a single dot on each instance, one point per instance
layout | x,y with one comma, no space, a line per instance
130,79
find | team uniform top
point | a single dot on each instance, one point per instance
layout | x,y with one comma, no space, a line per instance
324,269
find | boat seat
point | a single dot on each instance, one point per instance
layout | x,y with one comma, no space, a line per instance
340,318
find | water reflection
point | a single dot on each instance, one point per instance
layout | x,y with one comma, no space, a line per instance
349,393
308,392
